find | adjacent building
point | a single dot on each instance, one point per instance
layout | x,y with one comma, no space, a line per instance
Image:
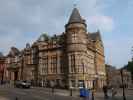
114,77
13,64
75,58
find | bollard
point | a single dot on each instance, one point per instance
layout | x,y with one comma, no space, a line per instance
71,92
16,98
52,90
92,95
123,87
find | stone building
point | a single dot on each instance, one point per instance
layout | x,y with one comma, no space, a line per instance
75,58
19,64
114,77
127,78
71,59
29,71
13,65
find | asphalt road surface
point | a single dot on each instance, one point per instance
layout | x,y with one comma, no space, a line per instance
10,93
32,94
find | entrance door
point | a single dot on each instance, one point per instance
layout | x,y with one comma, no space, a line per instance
16,75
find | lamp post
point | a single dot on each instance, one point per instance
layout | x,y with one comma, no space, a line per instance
123,87
96,81
94,85
93,90
83,75
71,91
2,76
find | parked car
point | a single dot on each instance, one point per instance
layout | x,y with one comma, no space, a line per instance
23,84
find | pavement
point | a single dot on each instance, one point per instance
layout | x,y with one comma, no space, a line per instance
8,92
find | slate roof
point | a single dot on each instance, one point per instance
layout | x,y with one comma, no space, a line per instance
95,36
75,17
14,51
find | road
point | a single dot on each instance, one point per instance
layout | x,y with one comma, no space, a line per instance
32,94
10,93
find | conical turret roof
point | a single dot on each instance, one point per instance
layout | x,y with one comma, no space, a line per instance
75,17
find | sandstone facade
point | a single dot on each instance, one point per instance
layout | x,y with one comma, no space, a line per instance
74,58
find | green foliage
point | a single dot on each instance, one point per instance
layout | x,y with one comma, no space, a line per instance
129,67
46,36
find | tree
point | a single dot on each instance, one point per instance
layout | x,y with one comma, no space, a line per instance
44,37
129,67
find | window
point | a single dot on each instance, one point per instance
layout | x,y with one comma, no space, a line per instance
74,36
35,55
28,59
81,83
72,83
54,64
8,60
72,59
61,64
45,65
43,70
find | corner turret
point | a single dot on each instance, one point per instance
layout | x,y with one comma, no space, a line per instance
76,32
75,21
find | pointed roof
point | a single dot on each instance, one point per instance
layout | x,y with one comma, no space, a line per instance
75,17
95,36
27,45
14,51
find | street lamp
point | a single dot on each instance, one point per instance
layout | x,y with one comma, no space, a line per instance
123,87
96,80
94,85
83,74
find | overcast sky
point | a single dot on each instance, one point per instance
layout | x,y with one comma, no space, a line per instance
23,21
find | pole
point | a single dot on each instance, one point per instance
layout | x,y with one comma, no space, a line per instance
123,87
3,69
22,67
93,90
2,76
52,89
83,76
71,92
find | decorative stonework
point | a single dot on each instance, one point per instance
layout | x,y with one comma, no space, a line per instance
68,60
